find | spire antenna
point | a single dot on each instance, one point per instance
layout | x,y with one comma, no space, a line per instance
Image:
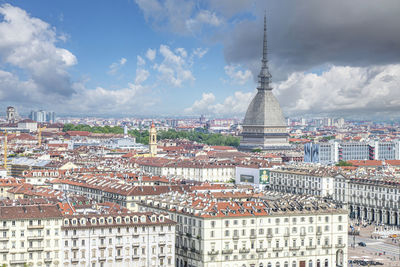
264,78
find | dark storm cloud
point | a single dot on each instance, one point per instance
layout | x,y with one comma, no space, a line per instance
304,34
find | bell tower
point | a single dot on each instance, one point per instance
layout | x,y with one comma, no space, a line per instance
153,140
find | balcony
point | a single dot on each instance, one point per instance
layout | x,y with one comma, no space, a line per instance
227,251
294,248
40,226
161,243
4,228
4,239
20,261
261,249
269,236
35,249
310,247
286,234
161,255
119,245
319,233
75,248
4,250
35,237
136,244
213,252
48,260
135,257
326,246
119,258
302,233
235,237
74,260
252,236
340,245
102,258
244,250
277,249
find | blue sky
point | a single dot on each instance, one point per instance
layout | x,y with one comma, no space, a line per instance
182,57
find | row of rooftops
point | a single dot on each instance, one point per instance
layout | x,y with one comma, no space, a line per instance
260,204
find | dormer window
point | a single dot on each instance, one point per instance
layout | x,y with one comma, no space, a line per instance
153,218
161,218
74,221
127,219
135,219
83,221
118,219
110,220
143,219
66,221
101,220
93,221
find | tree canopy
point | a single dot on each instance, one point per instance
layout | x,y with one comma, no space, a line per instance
143,136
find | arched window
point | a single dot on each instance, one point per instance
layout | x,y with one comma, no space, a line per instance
294,264
286,264
261,265
277,264
326,263
269,264
310,263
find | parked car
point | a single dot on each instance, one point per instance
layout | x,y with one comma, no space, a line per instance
362,244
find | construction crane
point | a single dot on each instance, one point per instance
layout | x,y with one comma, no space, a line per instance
40,135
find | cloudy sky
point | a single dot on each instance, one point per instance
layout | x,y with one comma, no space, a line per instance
177,57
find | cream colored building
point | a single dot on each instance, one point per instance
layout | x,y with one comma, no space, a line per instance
286,232
30,235
130,239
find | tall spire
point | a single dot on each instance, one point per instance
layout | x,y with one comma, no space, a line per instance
264,77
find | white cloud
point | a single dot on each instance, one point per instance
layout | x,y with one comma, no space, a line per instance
29,44
203,17
232,105
141,75
151,54
237,75
174,68
114,67
342,89
140,61
200,52
181,17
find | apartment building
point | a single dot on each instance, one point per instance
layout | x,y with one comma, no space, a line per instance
30,235
33,233
189,169
297,180
335,151
271,230
129,239
370,198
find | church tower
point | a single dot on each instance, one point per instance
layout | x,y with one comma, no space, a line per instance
264,126
153,140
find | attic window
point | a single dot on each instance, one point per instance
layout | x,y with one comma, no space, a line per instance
153,218
74,221
93,221
118,219
110,220
135,219
101,220
66,221
83,221
161,218
127,219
